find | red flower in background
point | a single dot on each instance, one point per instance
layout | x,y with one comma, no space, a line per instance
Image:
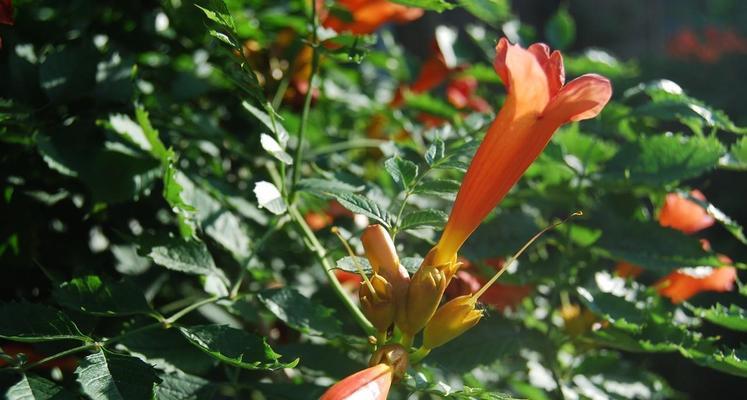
502,296
461,91
683,214
686,44
6,15
368,15
66,364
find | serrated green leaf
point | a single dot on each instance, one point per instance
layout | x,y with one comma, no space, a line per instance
727,222
403,172
561,29
47,324
112,172
436,151
235,347
348,264
435,5
272,123
89,294
106,375
733,317
668,102
157,148
736,158
617,310
469,350
173,194
300,312
32,387
420,218
665,159
430,105
445,188
500,236
324,187
217,12
363,205
411,264
491,11
190,257
730,361
167,349
275,149
180,386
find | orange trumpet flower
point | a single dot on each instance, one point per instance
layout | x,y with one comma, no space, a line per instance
538,103
370,384
369,15
684,214
683,284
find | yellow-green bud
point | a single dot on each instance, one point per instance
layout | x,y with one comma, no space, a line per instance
451,320
378,306
423,296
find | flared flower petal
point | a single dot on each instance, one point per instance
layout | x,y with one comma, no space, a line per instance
369,15
683,214
370,384
536,106
683,284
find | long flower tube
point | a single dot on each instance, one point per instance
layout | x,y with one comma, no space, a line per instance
387,365
537,104
372,383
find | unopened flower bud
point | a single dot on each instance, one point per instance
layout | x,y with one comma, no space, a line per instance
378,306
393,355
423,296
451,320
382,255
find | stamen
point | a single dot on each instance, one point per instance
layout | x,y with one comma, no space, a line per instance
518,254
353,257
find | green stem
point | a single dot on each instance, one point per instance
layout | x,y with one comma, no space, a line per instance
406,341
275,225
419,355
144,328
186,310
321,254
88,346
297,158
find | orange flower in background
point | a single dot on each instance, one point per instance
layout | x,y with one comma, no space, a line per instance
321,219
370,384
369,15
685,283
625,269
683,214
536,106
